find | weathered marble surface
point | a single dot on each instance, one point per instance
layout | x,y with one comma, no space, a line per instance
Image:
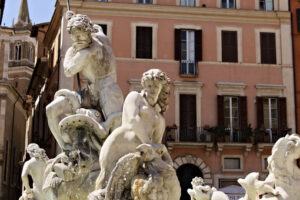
283,180
134,163
35,168
142,130
205,192
102,100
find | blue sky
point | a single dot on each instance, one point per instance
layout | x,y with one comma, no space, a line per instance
39,11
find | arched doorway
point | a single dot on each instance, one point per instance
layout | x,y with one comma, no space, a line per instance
185,174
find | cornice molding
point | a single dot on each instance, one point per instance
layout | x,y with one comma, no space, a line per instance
178,12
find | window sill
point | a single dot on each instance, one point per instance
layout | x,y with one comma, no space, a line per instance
188,75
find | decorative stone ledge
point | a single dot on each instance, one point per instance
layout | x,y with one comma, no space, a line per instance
246,146
230,88
262,146
207,145
190,159
270,90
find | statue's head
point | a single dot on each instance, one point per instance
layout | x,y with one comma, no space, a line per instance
35,151
80,27
156,88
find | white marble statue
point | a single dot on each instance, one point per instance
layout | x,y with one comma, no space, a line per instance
205,192
147,174
35,168
284,173
141,131
87,126
91,54
142,122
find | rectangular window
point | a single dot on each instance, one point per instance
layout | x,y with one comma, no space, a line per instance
229,46
270,106
104,28
266,5
145,1
188,118
231,115
232,163
187,65
228,182
298,19
144,42
187,3
228,4
268,48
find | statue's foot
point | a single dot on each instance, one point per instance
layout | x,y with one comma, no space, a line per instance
97,195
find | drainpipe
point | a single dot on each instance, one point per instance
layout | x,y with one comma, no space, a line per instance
11,146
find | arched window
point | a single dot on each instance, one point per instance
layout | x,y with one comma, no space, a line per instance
30,53
18,50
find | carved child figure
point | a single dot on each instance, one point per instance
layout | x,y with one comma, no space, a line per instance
35,168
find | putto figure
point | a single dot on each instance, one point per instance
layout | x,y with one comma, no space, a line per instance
102,100
35,168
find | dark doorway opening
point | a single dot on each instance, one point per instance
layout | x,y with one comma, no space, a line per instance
185,174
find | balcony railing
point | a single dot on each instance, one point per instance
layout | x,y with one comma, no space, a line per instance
218,134
270,136
189,134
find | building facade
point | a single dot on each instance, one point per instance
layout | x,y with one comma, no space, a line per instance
230,61
18,50
295,10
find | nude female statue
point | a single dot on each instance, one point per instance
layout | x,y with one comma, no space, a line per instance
90,54
35,168
142,122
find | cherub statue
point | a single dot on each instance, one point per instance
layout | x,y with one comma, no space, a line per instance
35,168
91,55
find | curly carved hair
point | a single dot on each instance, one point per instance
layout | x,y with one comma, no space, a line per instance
158,75
79,21
35,151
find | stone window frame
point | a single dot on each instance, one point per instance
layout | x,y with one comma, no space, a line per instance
197,3
270,90
154,27
277,41
187,87
108,23
239,31
241,157
194,160
275,5
237,4
217,177
231,88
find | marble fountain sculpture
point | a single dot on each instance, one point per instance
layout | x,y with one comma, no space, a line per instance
282,183
111,148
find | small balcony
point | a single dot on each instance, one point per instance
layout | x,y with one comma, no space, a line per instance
188,134
270,135
189,137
